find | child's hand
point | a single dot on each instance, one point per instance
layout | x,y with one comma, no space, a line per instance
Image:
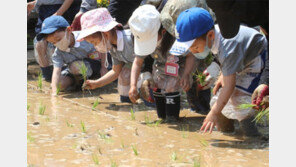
210,122
30,7
133,94
89,84
184,82
260,96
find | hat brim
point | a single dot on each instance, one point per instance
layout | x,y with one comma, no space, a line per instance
228,24
102,28
45,32
143,48
179,48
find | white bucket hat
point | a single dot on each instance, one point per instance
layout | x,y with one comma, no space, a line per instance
144,24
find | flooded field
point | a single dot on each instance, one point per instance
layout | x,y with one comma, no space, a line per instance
66,131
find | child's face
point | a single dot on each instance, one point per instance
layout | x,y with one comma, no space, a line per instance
199,44
94,39
55,37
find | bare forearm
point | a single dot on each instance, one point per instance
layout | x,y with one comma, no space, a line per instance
225,94
136,69
65,6
107,78
55,79
189,64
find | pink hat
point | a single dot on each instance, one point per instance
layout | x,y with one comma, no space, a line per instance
96,20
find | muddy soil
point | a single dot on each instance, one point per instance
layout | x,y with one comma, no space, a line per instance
71,133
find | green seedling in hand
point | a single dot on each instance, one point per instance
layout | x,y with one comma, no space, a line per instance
83,71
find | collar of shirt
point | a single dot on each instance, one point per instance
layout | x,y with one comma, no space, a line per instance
120,43
76,34
215,46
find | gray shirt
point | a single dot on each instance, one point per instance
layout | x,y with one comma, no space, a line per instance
234,54
87,5
124,51
79,51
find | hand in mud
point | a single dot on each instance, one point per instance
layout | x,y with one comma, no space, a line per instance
184,83
89,84
210,122
133,94
260,97
103,71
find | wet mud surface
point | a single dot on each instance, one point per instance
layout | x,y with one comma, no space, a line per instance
66,131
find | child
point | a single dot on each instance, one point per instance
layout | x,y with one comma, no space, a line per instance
45,9
169,71
107,35
56,30
241,61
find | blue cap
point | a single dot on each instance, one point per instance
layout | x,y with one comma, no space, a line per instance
191,24
51,24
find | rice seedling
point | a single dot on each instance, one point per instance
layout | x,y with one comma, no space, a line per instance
133,117
150,123
201,77
95,159
105,137
246,106
135,150
40,81
83,129
95,104
69,125
122,145
260,116
41,109
184,130
58,89
196,163
83,71
113,163
47,119
30,138
158,122
28,107
174,156
204,142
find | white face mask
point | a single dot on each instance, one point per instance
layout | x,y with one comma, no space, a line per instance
104,46
64,43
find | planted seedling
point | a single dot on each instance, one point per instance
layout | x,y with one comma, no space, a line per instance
158,122
28,107
185,129
69,125
83,129
122,145
135,150
58,89
174,156
204,142
41,109
113,163
196,163
105,137
133,117
30,138
95,104
95,159
40,81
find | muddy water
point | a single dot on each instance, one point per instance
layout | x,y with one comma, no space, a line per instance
56,138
